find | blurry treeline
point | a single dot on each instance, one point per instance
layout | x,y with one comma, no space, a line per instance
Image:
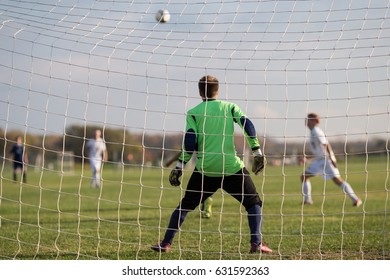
144,148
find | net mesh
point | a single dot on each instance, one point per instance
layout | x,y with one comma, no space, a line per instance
70,67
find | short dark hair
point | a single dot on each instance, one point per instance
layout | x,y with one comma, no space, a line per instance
314,116
208,86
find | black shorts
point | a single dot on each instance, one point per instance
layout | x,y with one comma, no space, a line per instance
239,185
18,165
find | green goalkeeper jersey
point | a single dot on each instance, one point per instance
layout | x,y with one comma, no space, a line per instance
210,133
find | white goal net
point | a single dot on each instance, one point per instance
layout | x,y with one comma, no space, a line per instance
69,68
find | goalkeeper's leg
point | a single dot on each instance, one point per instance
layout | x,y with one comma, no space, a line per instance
177,218
250,199
192,199
255,225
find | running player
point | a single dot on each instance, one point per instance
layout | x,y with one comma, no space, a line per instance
20,159
97,153
324,163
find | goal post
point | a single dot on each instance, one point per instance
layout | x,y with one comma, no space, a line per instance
70,67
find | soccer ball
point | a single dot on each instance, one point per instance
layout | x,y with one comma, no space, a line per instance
163,16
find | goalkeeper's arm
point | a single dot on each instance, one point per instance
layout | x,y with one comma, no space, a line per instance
190,144
258,157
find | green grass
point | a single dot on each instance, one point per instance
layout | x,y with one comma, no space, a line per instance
61,217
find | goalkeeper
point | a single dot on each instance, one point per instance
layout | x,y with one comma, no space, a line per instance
210,133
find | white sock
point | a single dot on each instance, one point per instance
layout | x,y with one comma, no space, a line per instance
307,191
348,190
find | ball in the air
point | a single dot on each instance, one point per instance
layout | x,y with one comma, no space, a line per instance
163,16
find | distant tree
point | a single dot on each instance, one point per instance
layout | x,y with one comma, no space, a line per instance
379,146
74,140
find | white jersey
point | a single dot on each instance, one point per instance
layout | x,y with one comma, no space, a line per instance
96,149
321,163
318,142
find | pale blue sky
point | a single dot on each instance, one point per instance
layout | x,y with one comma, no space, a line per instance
110,63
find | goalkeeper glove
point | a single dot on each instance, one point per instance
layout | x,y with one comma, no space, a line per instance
258,162
175,176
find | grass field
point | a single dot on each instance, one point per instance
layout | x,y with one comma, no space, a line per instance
61,217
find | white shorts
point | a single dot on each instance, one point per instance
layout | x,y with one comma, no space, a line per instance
323,167
96,165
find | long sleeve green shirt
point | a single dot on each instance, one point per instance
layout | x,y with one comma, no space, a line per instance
210,132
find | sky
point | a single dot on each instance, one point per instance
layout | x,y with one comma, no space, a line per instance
110,63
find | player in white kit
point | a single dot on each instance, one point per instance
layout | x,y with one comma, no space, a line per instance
97,153
324,163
